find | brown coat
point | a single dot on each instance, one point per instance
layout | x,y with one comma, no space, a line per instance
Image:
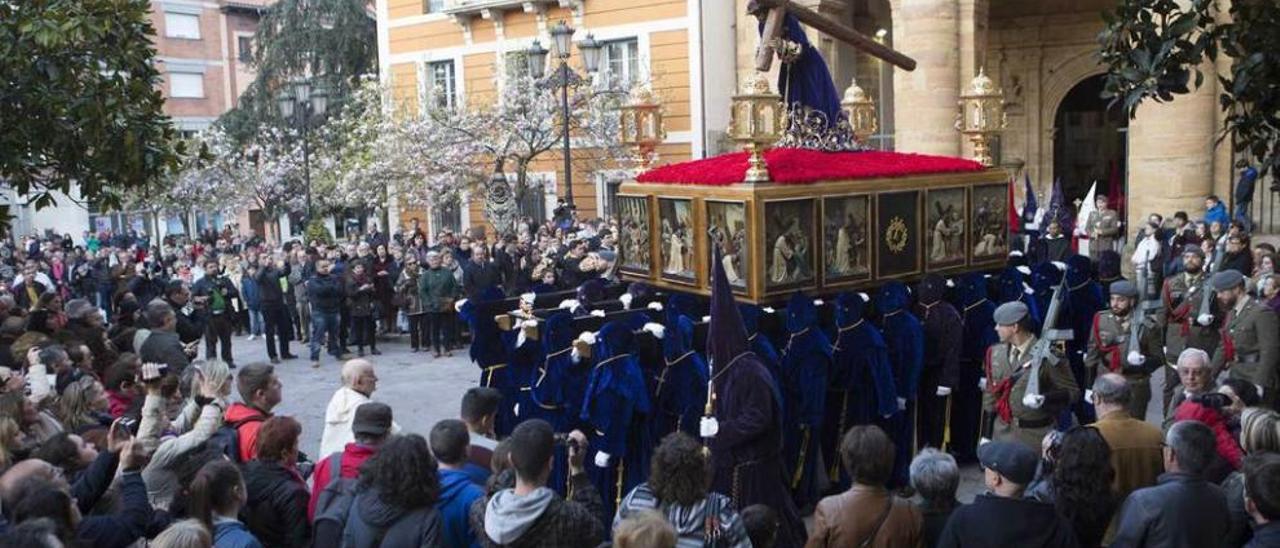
1135,451
849,518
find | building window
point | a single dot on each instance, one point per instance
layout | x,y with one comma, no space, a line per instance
186,85
446,216
621,62
441,84
432,6
182,25
245,45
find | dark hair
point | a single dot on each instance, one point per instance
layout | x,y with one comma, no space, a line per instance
51,355
449,441
1262,483
532,444
1245,390
761,523
1194,446
403,472
480,402
42,498
158,311
254,377
1082,476
125,369
277,435
867,454
1266,247
213,490
1181,215
59,450
678,472
33,533
1213,197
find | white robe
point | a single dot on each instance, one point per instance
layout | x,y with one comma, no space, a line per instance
338,418
843,264
778,268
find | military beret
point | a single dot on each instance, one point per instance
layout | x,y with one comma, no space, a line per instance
1194,250
1010,313
1124,288
1227,279
1015,461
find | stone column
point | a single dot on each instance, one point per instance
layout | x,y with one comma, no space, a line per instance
925,99
1171,154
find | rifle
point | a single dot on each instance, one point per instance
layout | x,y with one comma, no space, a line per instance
1139,315
1043,349
1206,296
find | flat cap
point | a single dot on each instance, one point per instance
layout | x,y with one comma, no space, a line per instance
1010,313
1124,288
1015,461
1194,250
1227,279
372,419
78,309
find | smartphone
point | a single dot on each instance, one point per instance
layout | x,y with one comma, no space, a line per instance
128,426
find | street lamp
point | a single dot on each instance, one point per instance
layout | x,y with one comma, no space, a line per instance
564,78
302,105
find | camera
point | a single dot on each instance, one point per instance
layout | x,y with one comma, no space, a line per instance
129,425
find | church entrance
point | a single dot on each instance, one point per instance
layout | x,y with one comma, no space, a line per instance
1090,144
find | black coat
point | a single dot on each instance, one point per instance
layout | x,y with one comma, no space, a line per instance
478,277
1178,511
276,512
269,292
1000,521
325,293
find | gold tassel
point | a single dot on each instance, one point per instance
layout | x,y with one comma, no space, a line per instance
804,448
946,426
835,459
622,466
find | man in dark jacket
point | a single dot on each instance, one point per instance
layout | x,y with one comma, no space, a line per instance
449,442
1262,498
480,273
190,326
275,315
1182,509
218,293
1002,517
532,515
325,293
162,345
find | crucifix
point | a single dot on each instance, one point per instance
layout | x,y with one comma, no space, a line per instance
777,9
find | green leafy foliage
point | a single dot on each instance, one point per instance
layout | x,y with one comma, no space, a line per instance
1153,50
79,105
317,232
332,41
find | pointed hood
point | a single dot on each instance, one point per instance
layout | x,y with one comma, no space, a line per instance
1108,266
1079,270
682,304
1029,205
931,289
678,338
557,332
1045,277
972,288
727,336
590,292
801,313
750,318
849,309
892,297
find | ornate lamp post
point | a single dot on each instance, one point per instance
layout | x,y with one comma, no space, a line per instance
641,125
756,122
563,78
860,109
302,105
981,115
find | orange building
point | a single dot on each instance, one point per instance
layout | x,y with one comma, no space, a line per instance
450,50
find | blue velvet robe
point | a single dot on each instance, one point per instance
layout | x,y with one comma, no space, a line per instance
763,346
680,391
860,387
616,408
904,336
550,396
806,361
807,81
491,353
942,348
1010,287
976,312
1085,297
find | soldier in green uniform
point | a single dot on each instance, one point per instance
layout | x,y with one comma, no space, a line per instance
1250,336
1111,346
1186,321
1012,413
1102,226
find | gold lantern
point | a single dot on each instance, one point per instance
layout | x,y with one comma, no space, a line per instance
757,121
641,125
860,109
981,115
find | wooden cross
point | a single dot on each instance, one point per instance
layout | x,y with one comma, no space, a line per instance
773,30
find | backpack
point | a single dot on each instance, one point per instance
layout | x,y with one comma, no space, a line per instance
227,437
333,504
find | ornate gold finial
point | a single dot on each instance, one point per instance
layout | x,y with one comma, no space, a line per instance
981,115
757,120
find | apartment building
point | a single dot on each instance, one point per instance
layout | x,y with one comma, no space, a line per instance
451,50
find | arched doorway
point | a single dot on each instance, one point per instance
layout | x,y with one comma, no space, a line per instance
1090,143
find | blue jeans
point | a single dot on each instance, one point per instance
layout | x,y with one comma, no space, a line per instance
324,326
255,322
1242,215
104,302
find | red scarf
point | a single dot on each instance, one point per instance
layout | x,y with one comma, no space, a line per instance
1001,390
1180,314
1111,351
1228,344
